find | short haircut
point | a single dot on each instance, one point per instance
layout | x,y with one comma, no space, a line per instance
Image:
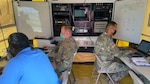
67,28
111,23
18,41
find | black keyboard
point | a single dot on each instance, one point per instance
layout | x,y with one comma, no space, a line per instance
137,54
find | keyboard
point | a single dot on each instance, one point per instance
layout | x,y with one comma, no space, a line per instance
137,54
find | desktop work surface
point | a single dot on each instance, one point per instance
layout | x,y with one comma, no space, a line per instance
143,70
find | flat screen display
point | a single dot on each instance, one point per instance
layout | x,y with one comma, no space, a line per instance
101,14
79,13
144,46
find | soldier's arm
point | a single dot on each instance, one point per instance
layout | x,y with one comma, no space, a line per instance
101,49
97,47
59,54
119,53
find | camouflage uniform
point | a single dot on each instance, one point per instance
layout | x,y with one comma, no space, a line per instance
107,51
64,56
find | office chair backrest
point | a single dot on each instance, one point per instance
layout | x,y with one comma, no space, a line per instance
135,78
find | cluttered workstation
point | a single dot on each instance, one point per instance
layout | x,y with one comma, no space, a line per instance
75,41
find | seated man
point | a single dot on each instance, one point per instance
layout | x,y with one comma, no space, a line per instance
64,56
106,49
27,66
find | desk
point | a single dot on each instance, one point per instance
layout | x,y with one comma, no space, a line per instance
138,69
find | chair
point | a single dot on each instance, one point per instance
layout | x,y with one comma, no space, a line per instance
135,78
65,77
101,69
71,71
74,79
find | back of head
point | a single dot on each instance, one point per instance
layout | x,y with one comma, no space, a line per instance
18,41
111,23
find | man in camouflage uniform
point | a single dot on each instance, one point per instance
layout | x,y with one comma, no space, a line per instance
65,54
107,51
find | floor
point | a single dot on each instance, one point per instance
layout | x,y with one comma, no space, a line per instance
83,74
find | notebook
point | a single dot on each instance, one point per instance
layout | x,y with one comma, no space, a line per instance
140,61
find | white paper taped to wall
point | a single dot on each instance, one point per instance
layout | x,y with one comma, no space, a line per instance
32,20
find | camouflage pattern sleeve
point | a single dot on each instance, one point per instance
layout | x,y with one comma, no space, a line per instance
70,49
122,53
52,52
102,47
118,52
66,51
59,54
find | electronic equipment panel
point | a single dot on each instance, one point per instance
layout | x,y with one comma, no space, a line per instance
87,19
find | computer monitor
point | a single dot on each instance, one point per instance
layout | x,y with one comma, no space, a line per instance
144,46
79,13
